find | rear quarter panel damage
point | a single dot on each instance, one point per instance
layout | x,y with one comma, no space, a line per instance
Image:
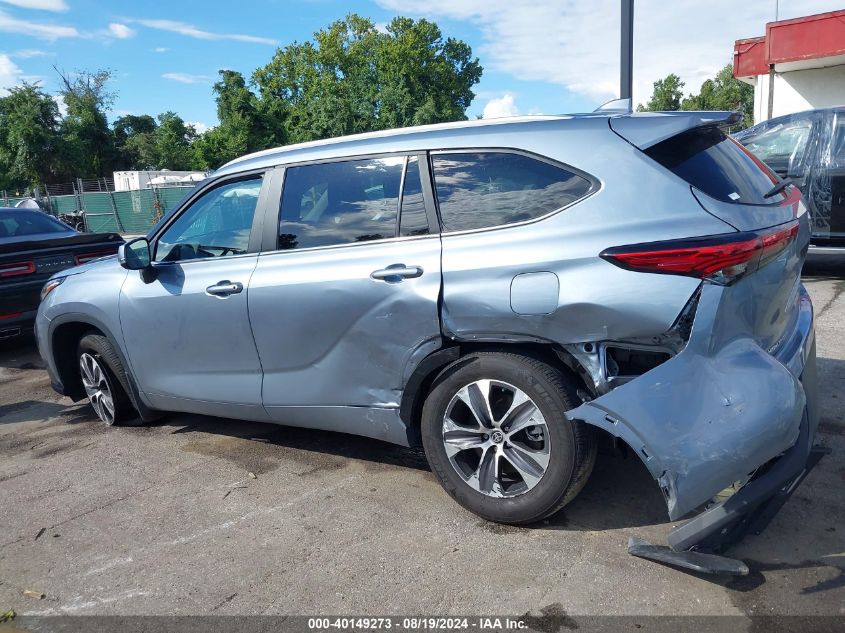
711,415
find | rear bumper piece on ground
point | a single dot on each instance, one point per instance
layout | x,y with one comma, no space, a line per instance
719,411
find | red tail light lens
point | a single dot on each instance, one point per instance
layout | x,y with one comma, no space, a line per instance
17,268
87,257
720,258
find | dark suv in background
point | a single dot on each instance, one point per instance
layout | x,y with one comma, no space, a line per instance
809,148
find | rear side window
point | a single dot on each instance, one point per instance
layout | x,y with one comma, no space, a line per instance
485,189
717,165
340,203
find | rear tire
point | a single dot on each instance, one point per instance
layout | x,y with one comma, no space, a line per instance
99,369
523,461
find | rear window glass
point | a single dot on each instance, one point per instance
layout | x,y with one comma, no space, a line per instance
717,165
20,223
486,189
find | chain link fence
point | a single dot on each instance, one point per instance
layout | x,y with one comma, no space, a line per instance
97,208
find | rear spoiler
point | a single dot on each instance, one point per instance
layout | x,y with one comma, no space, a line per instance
62,242
644,129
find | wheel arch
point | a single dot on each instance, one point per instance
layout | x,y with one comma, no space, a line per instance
65,333
421,381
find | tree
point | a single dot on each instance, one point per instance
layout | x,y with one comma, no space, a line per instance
89,144
352,78
173,139
29,137
244,127
724,92
134,141
666,96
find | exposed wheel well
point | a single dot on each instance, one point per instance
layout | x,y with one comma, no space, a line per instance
65,340
420,386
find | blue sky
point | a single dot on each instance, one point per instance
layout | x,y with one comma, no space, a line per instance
542,56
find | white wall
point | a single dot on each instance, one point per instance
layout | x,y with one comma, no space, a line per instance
800,90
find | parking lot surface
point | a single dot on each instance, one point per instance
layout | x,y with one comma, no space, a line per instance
168,519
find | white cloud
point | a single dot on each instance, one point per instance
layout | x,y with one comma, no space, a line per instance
187,78
190,30
29,53
161,49
199,126
499,107
44,5
10,74
576,44
60,101
120,31
49,32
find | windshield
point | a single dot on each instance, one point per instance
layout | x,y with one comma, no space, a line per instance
18,223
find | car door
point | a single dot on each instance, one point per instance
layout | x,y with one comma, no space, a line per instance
185,322
346,300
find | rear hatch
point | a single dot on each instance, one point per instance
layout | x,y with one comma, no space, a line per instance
767,233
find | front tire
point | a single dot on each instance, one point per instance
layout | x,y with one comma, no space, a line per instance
497,439
99,368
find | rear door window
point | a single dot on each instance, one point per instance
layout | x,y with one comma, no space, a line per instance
717,165
478,190
340,203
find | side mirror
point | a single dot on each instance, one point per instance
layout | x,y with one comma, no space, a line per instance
135,255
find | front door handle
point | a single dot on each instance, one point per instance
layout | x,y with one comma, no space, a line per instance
225,288
397,272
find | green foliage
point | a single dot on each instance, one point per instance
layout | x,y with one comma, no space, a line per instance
349,78
29,136
135,142
353,78
723,92
173,140
87,139
666,96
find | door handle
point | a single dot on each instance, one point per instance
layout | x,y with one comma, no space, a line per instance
225,288
395,273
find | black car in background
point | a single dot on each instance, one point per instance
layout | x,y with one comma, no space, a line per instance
809,148
33,246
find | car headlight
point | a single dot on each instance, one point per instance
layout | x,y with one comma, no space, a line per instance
50,286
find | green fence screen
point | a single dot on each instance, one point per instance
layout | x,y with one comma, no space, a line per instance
128,212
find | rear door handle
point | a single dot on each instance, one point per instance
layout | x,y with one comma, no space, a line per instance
397,272
225,288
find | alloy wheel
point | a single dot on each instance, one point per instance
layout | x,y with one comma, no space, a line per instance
496,438
97,387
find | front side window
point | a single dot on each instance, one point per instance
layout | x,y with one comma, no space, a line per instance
486,189
217,224
340,203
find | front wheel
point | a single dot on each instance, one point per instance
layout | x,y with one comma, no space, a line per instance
99,367
496,437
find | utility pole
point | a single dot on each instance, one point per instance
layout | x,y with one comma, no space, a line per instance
626,61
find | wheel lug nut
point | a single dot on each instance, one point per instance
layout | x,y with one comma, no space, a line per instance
486,437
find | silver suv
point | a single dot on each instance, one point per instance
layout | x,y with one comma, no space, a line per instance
498,292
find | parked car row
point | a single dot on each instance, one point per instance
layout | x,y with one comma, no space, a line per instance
497,292
809,148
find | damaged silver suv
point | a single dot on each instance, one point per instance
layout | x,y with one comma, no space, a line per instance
498,292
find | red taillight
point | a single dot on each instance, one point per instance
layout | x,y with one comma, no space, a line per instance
720,258
87,257
17,268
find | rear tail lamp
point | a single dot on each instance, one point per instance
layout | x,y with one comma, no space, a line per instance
17,268
718,258
84,258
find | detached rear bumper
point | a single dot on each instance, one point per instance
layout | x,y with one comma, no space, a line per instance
724,412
